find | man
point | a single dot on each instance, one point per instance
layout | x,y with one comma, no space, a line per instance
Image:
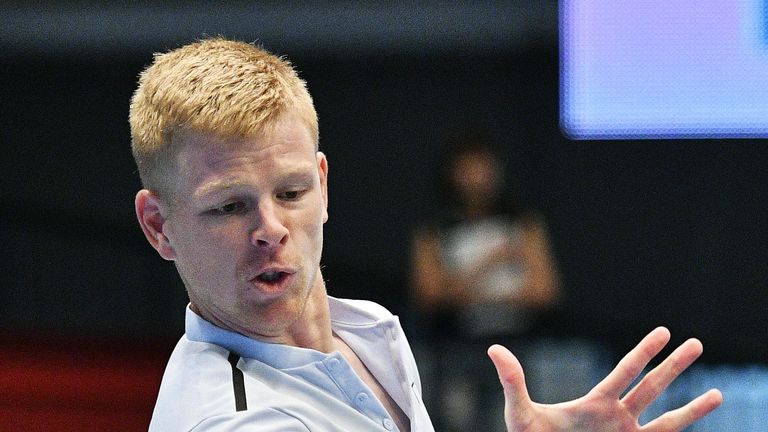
225,137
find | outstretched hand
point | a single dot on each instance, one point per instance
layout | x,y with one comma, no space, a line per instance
604,408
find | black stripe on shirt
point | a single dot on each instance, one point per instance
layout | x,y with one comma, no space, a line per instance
238,383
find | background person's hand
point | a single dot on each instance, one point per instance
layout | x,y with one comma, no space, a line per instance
604,408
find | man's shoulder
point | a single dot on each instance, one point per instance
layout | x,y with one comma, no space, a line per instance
349,310
196,385
190,355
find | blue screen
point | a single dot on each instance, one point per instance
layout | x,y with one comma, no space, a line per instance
663,68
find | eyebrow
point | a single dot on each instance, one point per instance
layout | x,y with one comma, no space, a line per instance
302,172
218,186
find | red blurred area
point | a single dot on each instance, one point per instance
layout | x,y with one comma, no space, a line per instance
57,384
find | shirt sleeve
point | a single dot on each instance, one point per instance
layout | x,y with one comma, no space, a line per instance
263,420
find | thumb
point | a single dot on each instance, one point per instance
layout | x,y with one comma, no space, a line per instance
518,405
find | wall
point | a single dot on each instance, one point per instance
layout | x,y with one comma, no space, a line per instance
646,232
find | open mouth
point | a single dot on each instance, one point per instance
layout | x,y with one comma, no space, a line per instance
271,276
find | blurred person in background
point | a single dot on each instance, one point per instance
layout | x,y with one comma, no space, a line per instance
482,271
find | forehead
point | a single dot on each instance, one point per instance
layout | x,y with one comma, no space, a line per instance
288,134
201,155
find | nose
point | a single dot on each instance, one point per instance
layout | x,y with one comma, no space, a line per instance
270,230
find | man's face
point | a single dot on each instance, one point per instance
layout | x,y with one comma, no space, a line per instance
246,227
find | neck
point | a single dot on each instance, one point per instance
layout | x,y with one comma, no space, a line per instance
313,328
476,212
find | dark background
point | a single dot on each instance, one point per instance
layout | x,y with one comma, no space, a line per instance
645,232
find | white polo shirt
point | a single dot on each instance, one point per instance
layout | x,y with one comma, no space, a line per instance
218,380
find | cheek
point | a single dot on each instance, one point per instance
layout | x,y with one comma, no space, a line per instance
205,251
312,230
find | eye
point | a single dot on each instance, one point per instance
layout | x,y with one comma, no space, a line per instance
291,195
230,208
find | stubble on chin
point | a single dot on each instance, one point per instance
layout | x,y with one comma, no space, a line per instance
284,317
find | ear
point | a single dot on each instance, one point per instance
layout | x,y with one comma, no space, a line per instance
322,165
149,211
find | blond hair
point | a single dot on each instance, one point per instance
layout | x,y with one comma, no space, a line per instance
227,88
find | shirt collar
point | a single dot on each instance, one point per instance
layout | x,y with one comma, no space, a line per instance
344,317
284,356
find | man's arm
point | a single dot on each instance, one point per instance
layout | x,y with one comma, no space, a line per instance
604,408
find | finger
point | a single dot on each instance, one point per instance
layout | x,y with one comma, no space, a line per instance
518,402
683,417
630,367
657,380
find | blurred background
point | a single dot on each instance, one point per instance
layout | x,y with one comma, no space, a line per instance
645,232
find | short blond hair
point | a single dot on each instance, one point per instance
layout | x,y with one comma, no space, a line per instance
227,88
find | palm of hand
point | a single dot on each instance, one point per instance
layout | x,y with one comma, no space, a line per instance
585,414
604,408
